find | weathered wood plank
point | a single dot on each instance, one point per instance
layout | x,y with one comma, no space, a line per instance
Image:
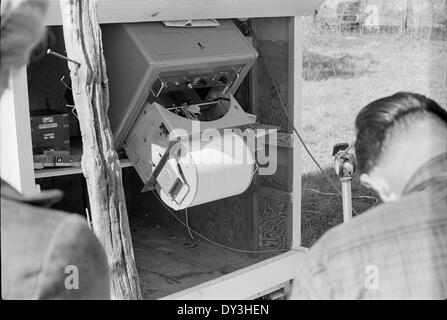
273,223
275,54
100,162
118,11
279,41
271,214
282,178
227,221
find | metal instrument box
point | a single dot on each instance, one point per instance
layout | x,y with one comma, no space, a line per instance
168,84
50,130
146,59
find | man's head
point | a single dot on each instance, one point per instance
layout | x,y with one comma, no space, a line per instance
22,26
395,136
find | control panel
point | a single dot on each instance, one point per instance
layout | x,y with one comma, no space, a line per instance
194,79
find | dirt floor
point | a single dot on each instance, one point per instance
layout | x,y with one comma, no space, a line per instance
169,261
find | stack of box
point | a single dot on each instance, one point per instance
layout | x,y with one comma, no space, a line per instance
51,139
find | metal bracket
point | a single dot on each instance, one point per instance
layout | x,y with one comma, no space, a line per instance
232,82
150,183
162,86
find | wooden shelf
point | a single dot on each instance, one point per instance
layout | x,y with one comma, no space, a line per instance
65,171
75,149
119,11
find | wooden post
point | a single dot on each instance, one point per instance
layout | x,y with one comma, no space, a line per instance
100,162
294,98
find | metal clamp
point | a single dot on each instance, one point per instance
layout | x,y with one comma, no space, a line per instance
344,165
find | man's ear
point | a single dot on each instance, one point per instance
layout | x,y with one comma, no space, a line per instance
380,185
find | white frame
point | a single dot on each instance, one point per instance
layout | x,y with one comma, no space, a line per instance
17,163
244,284
16,149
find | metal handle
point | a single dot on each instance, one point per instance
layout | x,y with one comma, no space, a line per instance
159,91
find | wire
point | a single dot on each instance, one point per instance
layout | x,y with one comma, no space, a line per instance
256,170
211,241
62,80
73,110
187,224
336,195
329,179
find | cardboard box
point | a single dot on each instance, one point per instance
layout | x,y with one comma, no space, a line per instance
49,131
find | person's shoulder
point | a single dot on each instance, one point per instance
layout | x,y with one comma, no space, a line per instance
17,212
73,230
74,249
26,233
20,218
27,229
379,224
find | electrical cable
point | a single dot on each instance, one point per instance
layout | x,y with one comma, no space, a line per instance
187,224
286,113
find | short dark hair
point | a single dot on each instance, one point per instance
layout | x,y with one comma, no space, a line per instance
376,119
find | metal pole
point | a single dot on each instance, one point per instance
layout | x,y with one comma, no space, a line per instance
347,198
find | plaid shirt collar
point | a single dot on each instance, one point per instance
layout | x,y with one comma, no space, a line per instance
431,172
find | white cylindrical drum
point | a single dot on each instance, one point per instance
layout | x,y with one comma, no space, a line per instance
214,168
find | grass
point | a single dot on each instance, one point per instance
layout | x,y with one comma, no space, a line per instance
317,67
322,211
367,67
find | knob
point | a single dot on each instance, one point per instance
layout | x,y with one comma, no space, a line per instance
223,79
188,84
